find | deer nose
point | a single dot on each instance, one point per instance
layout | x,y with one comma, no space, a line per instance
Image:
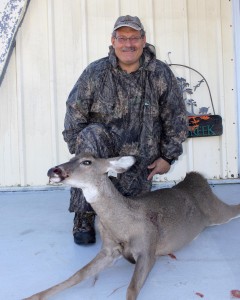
55,171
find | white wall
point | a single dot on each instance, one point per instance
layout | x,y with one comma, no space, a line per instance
59,38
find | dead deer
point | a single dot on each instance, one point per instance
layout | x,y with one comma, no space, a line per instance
139,229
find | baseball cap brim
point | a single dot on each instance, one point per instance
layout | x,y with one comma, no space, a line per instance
134,26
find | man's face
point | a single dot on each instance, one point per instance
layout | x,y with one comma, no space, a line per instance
128,51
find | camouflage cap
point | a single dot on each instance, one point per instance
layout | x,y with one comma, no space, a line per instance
128,21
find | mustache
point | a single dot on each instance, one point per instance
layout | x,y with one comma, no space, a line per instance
127,49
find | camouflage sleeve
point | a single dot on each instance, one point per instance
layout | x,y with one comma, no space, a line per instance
173,118
77,110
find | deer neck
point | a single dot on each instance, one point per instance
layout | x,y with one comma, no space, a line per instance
102,195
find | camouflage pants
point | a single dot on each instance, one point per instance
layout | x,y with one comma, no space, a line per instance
99,141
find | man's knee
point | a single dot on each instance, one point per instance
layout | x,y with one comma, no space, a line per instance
97,140
95,127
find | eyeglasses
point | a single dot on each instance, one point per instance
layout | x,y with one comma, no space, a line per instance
123,40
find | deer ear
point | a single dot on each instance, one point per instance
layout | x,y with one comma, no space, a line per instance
121,164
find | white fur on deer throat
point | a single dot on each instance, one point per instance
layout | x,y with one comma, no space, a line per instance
89,190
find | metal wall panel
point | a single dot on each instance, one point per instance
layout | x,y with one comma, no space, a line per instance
9,146
59,38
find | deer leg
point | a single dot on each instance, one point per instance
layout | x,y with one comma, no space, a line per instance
143,266
103,259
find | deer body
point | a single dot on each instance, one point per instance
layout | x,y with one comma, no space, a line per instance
139,229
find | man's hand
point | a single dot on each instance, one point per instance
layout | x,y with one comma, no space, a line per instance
159,166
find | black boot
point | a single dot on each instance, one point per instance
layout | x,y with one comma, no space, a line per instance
83,230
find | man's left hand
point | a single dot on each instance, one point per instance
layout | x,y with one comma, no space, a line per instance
159,166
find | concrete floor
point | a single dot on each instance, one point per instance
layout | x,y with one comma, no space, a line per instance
37,251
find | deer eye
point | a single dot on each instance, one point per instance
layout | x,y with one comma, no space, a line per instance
86,162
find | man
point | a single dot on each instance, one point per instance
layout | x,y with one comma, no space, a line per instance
127,103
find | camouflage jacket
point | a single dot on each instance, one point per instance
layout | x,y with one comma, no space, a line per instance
144,108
